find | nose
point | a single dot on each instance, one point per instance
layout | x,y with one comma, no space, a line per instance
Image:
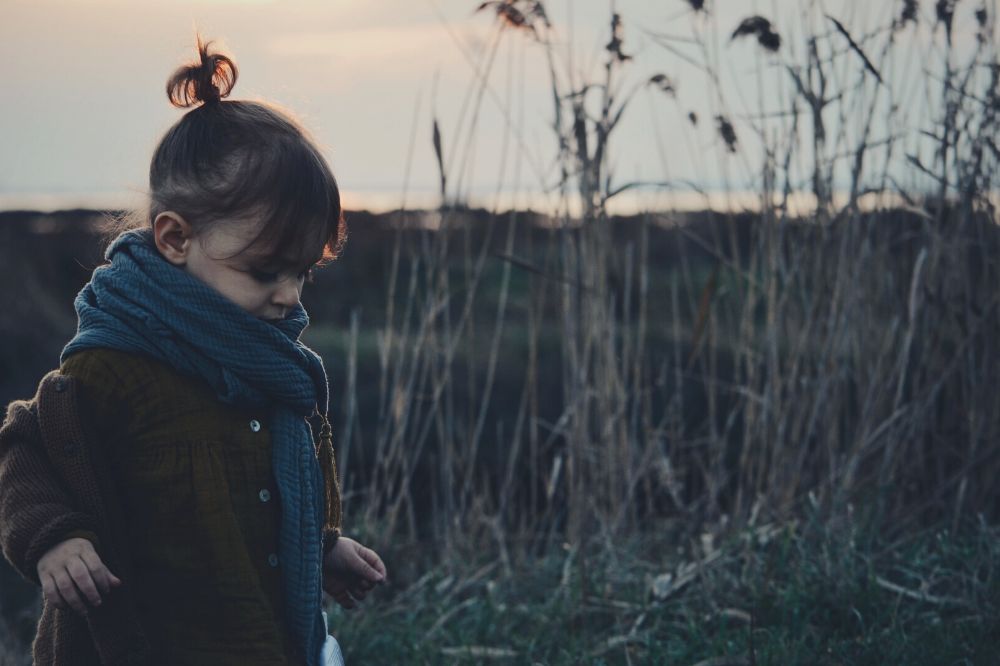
287,294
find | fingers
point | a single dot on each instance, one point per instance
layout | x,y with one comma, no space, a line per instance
360,590
345,600
339,592
67,590
348,594
51,593
101,574
360,587
84,581
371,567
98,572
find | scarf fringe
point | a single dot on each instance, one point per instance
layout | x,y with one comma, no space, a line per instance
331,480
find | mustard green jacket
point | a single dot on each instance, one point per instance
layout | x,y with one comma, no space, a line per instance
174,488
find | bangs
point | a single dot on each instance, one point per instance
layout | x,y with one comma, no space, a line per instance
298,202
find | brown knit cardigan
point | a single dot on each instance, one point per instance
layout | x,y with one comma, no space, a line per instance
56,483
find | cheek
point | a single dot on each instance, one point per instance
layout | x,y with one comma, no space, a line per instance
247,290
236,286
204,271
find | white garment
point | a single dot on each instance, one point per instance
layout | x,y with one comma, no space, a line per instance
331,654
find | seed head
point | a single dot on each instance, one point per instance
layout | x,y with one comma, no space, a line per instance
762,29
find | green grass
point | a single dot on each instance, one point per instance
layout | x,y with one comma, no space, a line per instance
771,595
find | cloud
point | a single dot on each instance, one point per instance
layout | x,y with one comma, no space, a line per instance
409,46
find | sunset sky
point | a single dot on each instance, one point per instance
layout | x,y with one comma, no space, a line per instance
84,103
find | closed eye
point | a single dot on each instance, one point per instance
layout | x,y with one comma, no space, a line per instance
266,277
263,276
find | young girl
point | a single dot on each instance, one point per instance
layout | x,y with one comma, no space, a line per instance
190,375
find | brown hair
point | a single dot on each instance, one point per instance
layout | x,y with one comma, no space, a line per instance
231,160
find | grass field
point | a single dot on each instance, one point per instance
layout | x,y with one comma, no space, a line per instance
771,594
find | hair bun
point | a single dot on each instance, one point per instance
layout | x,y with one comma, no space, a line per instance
206,81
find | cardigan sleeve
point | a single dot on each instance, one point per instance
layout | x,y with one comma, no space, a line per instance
36,512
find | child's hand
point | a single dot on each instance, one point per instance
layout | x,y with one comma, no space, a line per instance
71,574
350,571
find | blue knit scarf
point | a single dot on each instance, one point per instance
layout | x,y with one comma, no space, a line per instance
140,302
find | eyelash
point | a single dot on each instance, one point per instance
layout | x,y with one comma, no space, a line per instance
262,276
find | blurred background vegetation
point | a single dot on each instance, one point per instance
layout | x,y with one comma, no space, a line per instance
763,432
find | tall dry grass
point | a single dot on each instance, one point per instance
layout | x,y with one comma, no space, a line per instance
846,358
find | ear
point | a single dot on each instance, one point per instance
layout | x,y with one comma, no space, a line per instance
174,236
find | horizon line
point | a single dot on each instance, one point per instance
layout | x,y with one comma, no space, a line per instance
380,202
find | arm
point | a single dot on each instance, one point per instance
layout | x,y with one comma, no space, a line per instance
36,513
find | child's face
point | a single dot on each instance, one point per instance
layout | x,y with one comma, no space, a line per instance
267,287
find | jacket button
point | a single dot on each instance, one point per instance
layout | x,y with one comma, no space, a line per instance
272,559
264,494
255,425
60,384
